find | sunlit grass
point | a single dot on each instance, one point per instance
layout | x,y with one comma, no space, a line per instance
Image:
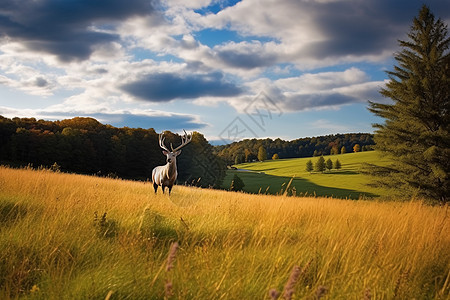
57,243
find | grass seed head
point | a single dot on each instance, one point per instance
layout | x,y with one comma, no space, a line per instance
321,291
172,255
274,294
290,285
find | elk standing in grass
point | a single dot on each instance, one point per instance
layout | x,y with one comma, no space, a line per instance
166,175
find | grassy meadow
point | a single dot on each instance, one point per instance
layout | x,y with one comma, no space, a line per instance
66,236
272,176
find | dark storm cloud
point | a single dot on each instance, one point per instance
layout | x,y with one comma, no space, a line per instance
365,27
248,60
62,27
159,123
173,122
41,82
302,102
168,86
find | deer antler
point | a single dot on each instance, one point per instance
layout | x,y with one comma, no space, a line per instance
184,141
161,142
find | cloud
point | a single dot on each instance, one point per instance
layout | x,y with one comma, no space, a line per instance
158,120
246,55
322,81
71,30
173,122
298,102
161,87
318,33
325,90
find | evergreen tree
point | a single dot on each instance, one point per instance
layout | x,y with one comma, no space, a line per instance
262,154
329,164
415,133
320,164
236,184
337,164
309,166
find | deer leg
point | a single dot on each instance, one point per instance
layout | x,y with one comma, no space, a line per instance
170,189
155,186
163,187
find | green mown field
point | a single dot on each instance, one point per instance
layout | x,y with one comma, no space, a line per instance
272,176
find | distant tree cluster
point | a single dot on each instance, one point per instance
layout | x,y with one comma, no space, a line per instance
260,149
321,165
84,145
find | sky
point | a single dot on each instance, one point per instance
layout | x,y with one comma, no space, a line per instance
228,69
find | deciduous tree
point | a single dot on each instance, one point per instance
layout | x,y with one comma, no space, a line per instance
262,154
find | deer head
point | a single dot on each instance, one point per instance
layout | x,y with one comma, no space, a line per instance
172,154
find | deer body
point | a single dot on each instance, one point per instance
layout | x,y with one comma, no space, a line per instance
165,176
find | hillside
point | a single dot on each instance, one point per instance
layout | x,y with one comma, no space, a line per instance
247,150
69,236
272,176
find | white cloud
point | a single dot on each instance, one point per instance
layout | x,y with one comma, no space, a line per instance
314,82
327,90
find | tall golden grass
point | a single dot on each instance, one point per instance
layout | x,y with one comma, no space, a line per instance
66,236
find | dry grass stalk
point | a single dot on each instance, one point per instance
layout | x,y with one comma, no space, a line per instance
108,296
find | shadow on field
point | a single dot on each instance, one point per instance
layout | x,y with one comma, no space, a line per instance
11,212
270,184
342,172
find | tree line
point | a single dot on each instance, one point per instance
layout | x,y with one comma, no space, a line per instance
250,149
321,165
84,145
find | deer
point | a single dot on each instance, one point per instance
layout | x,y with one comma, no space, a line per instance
166,175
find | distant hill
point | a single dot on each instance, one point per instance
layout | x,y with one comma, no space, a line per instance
273,176
247,150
